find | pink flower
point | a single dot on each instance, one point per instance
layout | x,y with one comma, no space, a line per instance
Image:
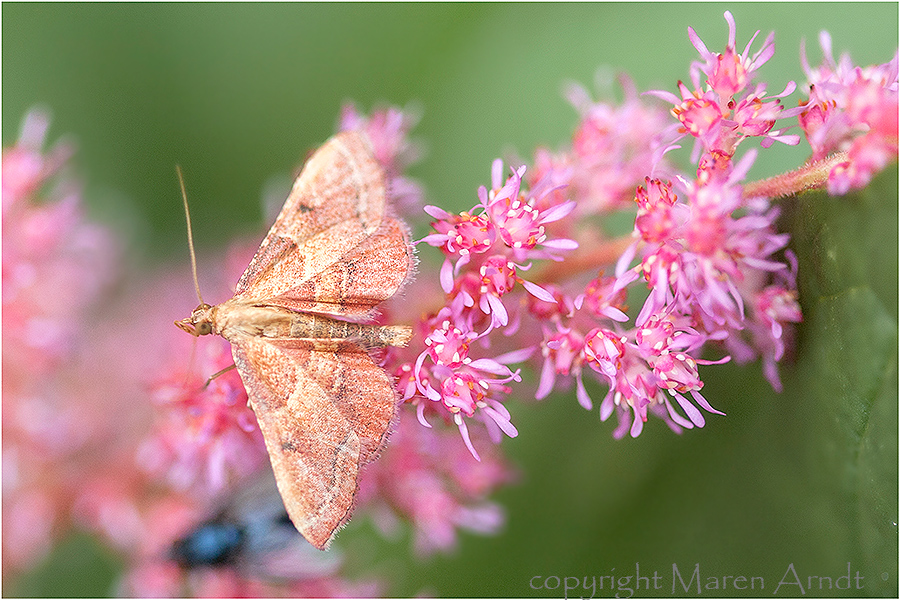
729,111
488,244
657,215
510,226
698,114
26,166
460,234
55,263
768,332
207,434
642,376
729,73
707,256
561,305
466,387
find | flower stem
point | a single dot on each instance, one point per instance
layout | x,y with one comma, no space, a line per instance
588,258
808,177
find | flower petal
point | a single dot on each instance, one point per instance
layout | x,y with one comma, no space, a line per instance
560,244
582,395
491,366
504,423
464,432
420,415
538,292
557,212
436,212
515,356
447,276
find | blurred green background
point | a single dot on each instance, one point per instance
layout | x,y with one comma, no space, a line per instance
237,93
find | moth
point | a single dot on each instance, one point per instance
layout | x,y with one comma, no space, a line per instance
300,330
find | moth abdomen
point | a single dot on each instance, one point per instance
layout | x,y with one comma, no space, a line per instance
395,335
320,327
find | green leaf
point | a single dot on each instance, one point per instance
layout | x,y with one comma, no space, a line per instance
846,377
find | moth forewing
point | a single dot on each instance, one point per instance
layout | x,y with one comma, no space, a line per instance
299,336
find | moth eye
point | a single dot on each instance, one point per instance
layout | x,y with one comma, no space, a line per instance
204,328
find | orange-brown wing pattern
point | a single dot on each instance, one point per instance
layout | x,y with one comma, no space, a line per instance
306,398
361,390
367,275
337,203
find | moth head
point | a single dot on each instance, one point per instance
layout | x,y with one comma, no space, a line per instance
200,322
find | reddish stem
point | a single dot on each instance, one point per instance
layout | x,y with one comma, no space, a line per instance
588,258
808,177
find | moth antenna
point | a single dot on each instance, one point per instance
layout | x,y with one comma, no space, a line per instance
187,216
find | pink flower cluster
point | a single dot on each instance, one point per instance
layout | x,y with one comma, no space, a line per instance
428,478
488,250
388,129
47,246
206,435
717,271
611,150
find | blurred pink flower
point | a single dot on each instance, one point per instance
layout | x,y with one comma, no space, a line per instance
613,148
428,477
56,267
851,109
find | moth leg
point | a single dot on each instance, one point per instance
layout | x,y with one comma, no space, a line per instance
217,374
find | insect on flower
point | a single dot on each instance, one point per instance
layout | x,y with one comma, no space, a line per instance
300,334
